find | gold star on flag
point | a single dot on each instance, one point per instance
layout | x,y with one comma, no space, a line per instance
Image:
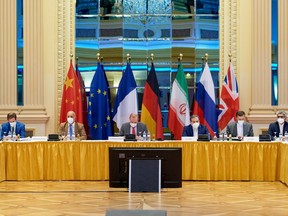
108,118
105,124
72,102
68,83
66,101
104,93
95,126
90,112
92,95
99,91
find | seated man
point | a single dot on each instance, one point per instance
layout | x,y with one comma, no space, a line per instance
280,126
133,127
240,128
71,129
195,127
13,127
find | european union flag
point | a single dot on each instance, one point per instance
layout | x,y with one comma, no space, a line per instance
99,118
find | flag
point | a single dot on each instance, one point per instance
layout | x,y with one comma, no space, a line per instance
126,98
84,100
229,100
204,104
71,96
99,118
151,111
179,114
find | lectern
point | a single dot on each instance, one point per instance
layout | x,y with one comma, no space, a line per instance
145,175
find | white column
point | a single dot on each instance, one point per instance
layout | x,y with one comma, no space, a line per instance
282,55
8,57
261,58
33,58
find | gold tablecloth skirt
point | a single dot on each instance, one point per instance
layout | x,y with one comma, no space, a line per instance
90,160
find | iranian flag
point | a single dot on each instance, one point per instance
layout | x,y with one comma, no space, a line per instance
179,114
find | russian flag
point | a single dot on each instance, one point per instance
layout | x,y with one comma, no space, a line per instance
126,98
205,105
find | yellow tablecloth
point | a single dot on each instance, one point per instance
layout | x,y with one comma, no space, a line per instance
284,163
2,163
90,160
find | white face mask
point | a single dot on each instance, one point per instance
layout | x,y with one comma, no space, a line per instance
13,124
70,120
241,122
280,120
195,125
133,124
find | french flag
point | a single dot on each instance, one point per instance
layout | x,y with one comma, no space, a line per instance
126,98
204,104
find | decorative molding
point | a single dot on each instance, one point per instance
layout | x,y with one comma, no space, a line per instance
66,41
228,37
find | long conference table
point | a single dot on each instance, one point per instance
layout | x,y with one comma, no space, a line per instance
89,160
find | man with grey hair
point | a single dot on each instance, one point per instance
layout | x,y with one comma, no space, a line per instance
280,126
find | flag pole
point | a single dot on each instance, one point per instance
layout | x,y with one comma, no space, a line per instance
77,60
180,57
98,57
230,57
206,57
71,57
128,57
152,58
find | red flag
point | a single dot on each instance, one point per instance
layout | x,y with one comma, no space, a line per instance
84,100
71,97
151,113
229,100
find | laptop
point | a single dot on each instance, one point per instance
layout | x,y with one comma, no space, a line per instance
264,138
130,137
203,137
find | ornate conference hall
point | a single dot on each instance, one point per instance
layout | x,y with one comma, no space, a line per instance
45,173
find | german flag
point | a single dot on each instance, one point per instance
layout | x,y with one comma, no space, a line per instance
151,112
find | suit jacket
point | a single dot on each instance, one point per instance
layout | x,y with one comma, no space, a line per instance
20,129
188,130
125,129
274,127
247,129
79,130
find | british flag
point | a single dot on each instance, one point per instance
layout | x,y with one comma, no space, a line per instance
229,100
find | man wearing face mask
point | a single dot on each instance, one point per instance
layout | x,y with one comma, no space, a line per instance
194,128
71,129
240,128
280,126
133,127
13,127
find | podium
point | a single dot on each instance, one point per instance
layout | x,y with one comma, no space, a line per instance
145,175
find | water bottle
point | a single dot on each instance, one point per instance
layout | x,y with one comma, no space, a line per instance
148,136
286,136
144,136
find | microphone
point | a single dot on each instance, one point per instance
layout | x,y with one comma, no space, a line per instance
12,132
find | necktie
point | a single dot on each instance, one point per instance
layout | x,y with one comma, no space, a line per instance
133,130
70,131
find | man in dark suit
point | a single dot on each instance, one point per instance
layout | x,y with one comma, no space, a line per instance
240,128
71,129
280,126
133,127
195,127
13,127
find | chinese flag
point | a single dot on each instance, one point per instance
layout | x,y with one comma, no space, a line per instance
72,96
